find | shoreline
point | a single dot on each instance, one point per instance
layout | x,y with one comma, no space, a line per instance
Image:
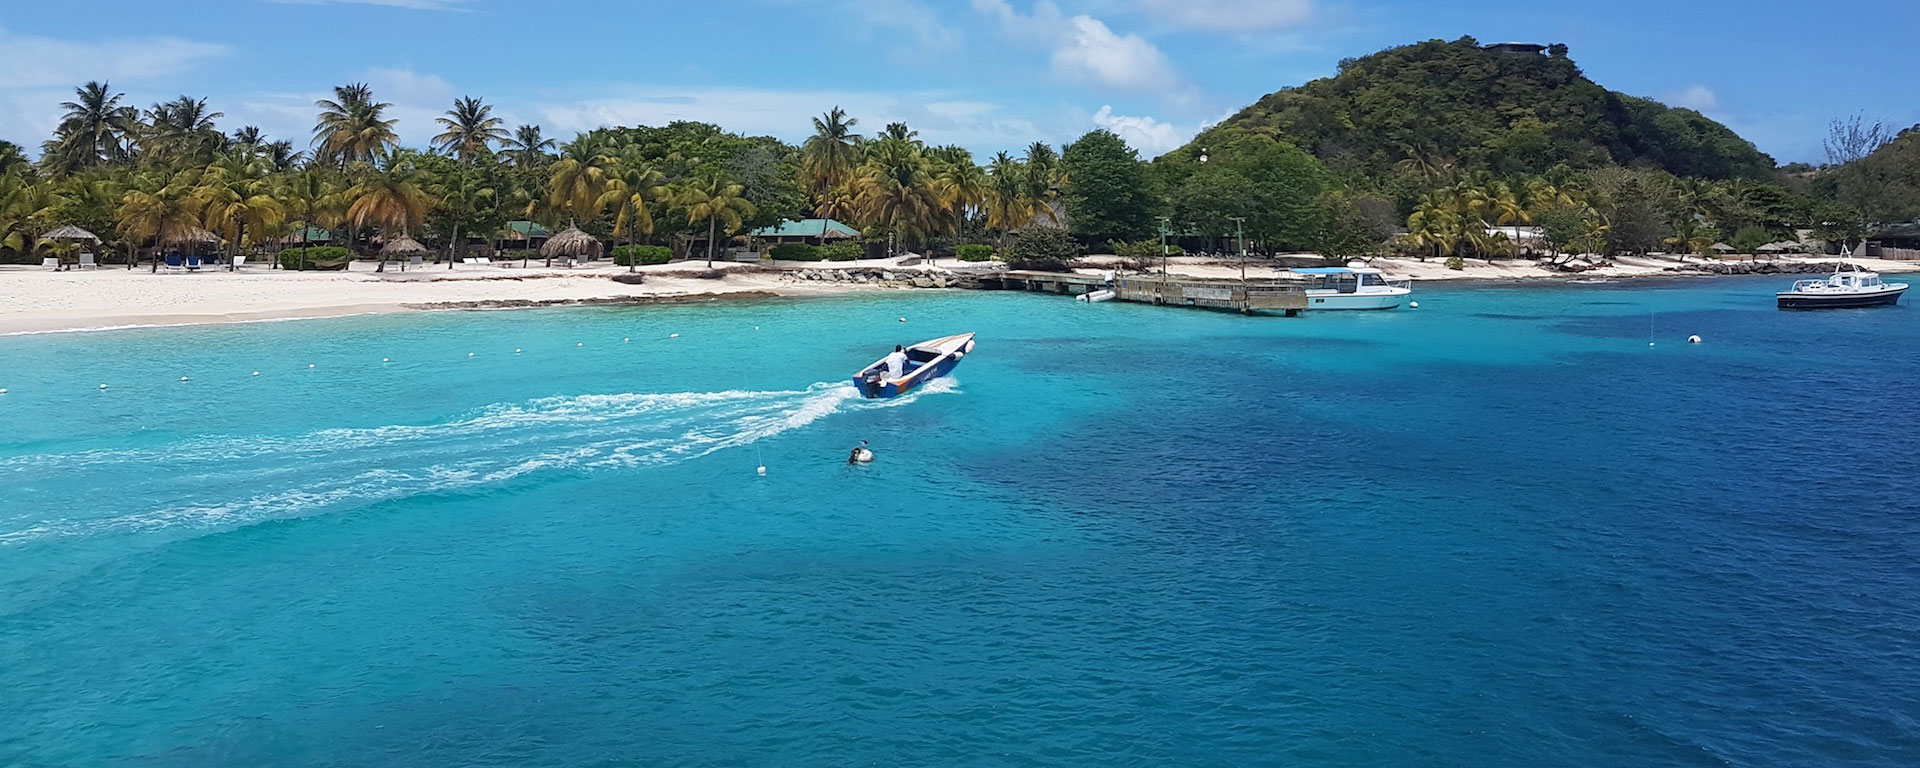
34,301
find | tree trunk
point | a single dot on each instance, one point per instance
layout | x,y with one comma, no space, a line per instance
711,223
455,254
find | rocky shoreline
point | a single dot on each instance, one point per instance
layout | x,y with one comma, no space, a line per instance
887,277
1758,268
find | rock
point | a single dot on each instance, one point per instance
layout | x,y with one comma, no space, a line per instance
887,276
923,282
630,278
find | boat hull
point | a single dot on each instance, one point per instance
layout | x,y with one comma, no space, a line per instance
1886,298
1356,301
951,350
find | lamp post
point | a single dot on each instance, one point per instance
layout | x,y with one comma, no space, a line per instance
1239,235
1163,248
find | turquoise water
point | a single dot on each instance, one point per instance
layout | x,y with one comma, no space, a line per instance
1499,530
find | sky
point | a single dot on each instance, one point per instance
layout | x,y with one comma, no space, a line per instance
989,75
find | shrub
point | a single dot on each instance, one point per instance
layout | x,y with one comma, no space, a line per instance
845,250
795,252
1042,248
629,255
321,257
1455,262
974,252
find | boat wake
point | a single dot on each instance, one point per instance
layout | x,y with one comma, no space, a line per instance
253,479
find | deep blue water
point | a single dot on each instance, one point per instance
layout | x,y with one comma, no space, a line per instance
1499,530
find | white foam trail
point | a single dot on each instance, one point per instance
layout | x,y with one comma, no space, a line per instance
275,478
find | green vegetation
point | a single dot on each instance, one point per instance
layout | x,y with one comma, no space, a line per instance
630,255
1421,149
1442,108
321,257
795,252
842,251
973,252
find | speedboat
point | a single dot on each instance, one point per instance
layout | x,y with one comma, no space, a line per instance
1844,289
926,361
1352,288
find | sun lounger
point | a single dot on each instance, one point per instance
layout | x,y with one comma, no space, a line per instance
193,263
239,261
417,262
51,262
173,261
87,261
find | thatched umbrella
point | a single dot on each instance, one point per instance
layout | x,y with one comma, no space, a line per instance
400,246
570,242
71,232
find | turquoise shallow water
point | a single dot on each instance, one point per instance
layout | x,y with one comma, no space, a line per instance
1496,531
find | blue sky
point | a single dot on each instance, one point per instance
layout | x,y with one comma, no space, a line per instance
986,74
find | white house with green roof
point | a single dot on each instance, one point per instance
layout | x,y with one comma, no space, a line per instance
809,231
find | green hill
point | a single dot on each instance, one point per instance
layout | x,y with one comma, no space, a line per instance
1455,106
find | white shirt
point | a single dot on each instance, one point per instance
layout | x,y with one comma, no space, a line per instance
896,364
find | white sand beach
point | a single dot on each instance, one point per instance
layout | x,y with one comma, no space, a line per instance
36,300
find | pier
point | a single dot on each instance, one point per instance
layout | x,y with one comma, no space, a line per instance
1230,295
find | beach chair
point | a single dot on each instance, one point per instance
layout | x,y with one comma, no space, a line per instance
87,261
193,263
173,261
239,261
51,262
417,262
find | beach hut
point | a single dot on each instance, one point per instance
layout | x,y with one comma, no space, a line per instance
571,243
402,249
70,237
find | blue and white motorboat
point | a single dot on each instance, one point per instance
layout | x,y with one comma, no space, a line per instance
1849,287
1352,288
926,361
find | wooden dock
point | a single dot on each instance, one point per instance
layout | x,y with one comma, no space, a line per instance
1230,295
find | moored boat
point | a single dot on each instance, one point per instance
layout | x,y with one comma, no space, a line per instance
1095,297
1353,288
926,361
1844,289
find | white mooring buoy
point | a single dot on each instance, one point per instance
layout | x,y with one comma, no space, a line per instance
2,391
627,340
673,335
309,365
581,344
103,386
1694,339
762,470
256,373
1413,305
516,350
183,378
386,360
469,354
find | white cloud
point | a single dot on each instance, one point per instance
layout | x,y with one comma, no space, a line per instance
1698,98
1149,136
416,98
38,73
1237,16
1085,50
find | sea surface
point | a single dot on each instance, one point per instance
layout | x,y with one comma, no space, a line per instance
1499,530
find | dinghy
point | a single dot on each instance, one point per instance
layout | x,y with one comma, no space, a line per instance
926,361
1095,297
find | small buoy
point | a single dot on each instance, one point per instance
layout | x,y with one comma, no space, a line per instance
469,354
1649,343
256,373
309,365
516,350
385,360
581,344
627,340
1413,305
1694,339
183,378
762,470
103,386
673,335
756,327
2,391
903,319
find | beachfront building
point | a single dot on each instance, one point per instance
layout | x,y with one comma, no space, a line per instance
1900,242
522,236
1527,241
809,231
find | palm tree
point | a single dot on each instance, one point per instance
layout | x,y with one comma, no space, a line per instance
462,194
962,185
95,130
828,157
579,180
352,127
896,191
714,202
312,200
12,157
471,129
1043,178
248,140
182,130
899,131
391,200
26,209
632,187
160,210
236,199
528,147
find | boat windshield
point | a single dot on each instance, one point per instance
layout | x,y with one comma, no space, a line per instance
1372,280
